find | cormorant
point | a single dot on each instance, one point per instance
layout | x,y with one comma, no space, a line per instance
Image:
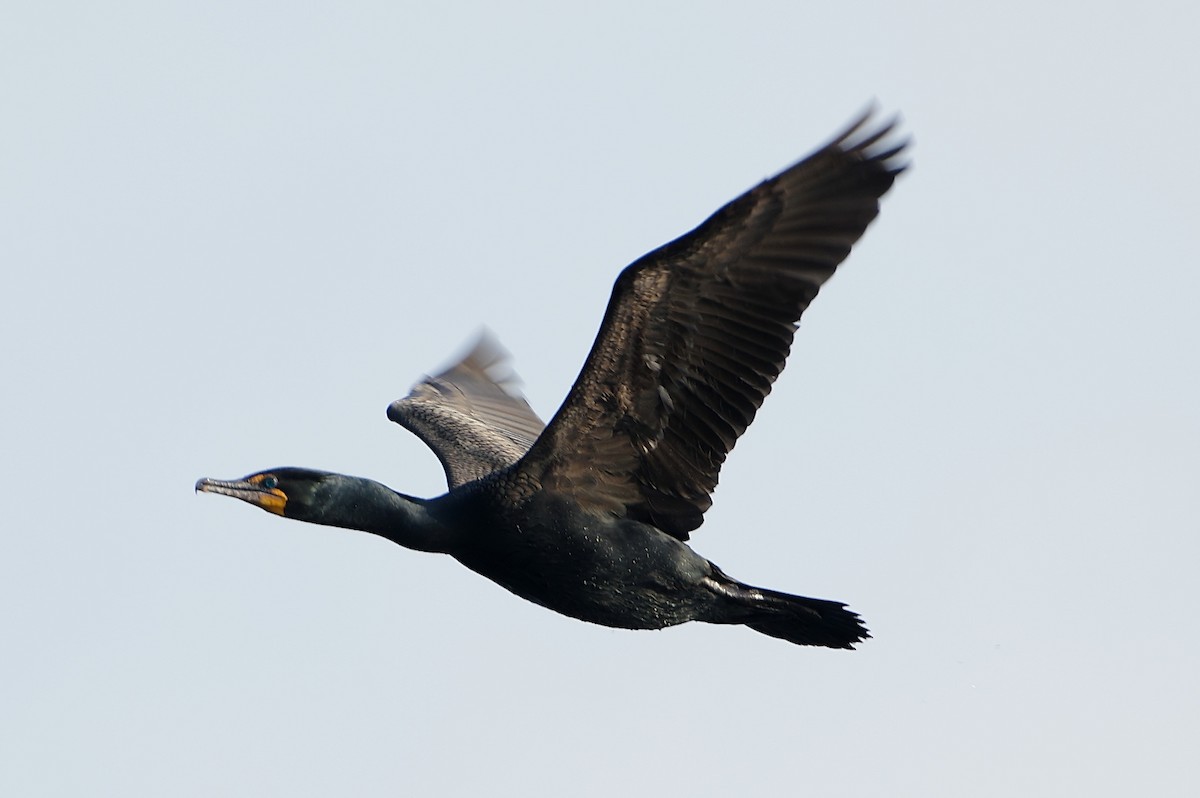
588,516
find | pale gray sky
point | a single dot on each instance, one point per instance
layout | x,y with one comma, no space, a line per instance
231,233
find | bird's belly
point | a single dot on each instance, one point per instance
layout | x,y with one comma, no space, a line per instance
621,574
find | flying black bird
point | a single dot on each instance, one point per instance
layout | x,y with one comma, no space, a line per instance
588,516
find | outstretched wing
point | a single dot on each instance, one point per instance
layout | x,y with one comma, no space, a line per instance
696,332
471,415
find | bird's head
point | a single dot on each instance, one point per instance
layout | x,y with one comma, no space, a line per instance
298,493
322,497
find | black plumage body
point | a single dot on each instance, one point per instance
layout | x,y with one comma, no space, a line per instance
630,575
609,571
588,516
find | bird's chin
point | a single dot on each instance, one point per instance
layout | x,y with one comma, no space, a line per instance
272,500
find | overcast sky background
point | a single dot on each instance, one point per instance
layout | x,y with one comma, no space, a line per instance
232,233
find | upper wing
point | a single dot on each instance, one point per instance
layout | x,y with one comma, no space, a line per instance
696,332
471,415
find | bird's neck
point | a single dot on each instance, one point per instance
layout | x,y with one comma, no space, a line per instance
368,506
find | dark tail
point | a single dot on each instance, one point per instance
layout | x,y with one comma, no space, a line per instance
796,619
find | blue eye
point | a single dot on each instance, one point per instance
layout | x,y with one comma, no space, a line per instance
270,483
